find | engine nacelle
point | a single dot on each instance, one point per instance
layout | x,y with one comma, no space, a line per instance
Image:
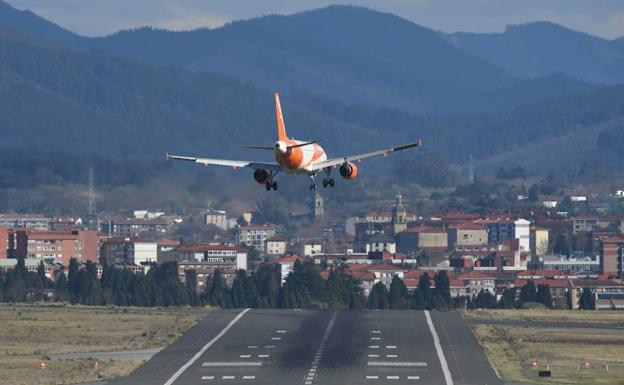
348,170
262,176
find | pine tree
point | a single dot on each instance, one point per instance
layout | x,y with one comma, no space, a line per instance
528,292
443,286
508,300
425,288
238,290
378,297
587,301
397,295
417,300
543,296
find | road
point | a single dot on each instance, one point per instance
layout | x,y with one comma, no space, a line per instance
308,347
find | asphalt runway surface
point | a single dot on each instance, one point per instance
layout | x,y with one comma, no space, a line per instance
308,347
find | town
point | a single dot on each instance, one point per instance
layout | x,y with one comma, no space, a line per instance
570,262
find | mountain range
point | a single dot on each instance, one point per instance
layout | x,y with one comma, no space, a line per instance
356,77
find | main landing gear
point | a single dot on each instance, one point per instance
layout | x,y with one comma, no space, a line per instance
271,185
328,181
312,184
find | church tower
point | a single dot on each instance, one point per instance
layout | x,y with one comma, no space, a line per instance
399,216
319,206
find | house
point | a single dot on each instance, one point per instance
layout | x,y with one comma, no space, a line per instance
475,281
217,218
542,274
499,229
538,241
378,217
384,273
134,227
276,246
202,271
310,249
25,221
522,233
129,250
612,256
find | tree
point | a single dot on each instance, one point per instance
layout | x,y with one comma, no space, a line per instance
425,288
533,194
587,301
442,287
217,293
397,296
528,292
508,300
485,300
239,299
191,286
378,297
543,295
417,300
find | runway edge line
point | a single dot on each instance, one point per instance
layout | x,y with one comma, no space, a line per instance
436,342
201,351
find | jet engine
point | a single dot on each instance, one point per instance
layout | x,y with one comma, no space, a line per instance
262,176
348,170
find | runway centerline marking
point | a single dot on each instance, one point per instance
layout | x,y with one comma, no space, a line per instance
201,351
309,379
440,352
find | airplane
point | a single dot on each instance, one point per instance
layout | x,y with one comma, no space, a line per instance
296,157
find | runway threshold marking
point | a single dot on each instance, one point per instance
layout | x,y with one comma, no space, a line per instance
439,351
190,362
231,364
309,379
418,364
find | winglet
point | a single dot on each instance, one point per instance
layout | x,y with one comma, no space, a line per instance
167,156
281,128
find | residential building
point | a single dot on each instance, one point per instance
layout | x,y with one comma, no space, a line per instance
286,265
385,273
538,241
204,270
146,214
217,218
378,217
25,221
571,264
310,249
467,234
612,254
608,294
142,252
427,238
58,246
276,246
499,229
522,232
475,281
255,235
135,227
380,243
219,254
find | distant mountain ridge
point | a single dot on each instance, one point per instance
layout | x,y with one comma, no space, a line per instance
345,53
540,48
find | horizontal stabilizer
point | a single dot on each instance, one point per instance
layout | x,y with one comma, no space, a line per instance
270,148
305,144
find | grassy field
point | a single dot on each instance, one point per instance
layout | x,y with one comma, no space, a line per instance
44,331
565,351
545,315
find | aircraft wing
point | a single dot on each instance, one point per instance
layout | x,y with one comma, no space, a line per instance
229,163
336,161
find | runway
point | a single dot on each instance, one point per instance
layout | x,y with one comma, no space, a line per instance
325,347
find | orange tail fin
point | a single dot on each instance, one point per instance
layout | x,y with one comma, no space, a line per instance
281,128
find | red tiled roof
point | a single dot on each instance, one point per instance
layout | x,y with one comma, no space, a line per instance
467,226
203,248
475,275
289,259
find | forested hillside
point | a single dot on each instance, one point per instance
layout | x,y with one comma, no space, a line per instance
540,48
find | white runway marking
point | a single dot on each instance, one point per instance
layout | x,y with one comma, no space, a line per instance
231,364
249,377
245,356
390,347
373,355
374,346
276,338
418,364
269,346
263,355
228,377
392,377
372,377
436,342
252,347
413,377
391,355
319,352
280,331
376,331
190,362
375,338
207,377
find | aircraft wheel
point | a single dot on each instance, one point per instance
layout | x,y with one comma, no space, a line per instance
312,187
325,183
268,186
332,182
274,186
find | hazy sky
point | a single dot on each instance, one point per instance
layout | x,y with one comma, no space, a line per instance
603,18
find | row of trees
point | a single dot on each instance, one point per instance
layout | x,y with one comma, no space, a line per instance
303,288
